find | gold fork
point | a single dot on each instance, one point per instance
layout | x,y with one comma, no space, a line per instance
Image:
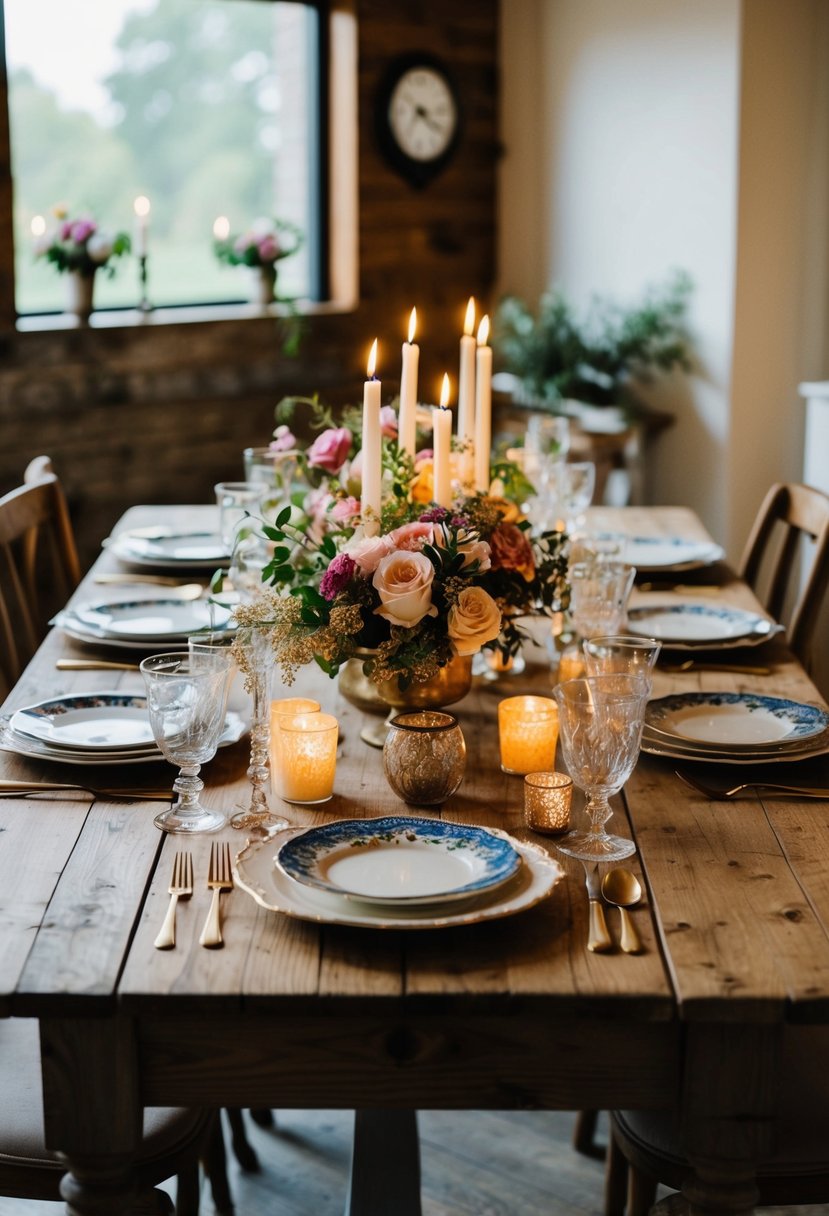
795,791
219,878
181,887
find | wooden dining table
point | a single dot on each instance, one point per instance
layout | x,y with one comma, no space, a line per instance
514,1013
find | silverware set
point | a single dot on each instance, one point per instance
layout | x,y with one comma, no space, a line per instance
792,791
620,889
219,879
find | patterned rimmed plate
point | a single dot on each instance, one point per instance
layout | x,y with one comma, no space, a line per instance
399,860
98,722
682,625
256,873
735,721
170,550
669,553
149,619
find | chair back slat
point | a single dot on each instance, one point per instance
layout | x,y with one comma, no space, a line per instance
792,518
39,564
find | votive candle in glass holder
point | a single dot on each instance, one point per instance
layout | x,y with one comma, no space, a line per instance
527,733
306,757
289,706
547,798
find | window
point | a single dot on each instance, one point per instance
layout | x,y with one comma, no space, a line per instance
207,108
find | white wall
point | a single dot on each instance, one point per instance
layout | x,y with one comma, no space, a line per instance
647,145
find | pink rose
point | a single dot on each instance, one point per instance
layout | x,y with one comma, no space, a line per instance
412,537
404,583
368,552
330,449
423,454
388,422
283,440
345,508
268,247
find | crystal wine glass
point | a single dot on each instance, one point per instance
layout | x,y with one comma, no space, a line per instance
186,700
598,596
621,654
600,722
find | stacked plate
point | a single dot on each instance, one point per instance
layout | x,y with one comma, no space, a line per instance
734,728
167,549
397,872
701,626
145,624
92,728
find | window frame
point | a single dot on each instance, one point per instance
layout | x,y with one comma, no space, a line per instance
320,210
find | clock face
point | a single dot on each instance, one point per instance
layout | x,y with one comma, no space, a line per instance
422,114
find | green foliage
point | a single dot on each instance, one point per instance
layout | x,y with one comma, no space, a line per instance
597,358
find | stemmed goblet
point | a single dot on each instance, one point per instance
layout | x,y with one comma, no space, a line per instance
621,654
600,723
186,699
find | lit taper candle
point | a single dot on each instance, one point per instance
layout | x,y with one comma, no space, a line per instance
483,407
370,502
442,443
407,420
466,395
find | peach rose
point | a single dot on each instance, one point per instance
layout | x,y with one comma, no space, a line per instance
367,551
473,620
510,550
403,581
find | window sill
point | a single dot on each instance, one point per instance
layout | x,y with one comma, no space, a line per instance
200,314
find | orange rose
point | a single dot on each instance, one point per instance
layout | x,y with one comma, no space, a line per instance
512,551
508,511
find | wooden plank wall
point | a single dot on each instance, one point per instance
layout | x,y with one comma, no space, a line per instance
158,413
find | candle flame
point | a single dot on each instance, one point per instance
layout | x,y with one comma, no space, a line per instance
38,225
412,325
221,227
444,391
142,205
483,331
469,323
371,366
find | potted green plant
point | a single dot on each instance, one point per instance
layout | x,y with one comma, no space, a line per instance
558,357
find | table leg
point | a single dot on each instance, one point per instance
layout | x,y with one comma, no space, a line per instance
385,1164
92,1111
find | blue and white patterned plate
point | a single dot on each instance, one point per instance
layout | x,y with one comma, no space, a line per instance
399,860
101,722
734,721
164,549
684,625
669,553
149,619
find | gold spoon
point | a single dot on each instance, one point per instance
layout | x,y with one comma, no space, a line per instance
696,665
622,889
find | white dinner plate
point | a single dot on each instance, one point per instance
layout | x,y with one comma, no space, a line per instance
399,860
669,752
153,619
700,626
98,722
257,873
795,749
735,720
669,553
34,749
167,549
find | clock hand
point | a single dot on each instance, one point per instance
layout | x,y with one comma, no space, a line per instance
430,122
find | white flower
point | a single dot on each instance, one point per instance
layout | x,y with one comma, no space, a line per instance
99,247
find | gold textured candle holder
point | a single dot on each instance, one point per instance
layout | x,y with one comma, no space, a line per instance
547,799
424,756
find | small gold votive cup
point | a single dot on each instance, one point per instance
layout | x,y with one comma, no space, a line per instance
547,798
306,757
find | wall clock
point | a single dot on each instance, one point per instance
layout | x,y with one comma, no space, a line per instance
417,116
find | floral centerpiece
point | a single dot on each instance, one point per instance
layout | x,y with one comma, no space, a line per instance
78,244
431,584
264,244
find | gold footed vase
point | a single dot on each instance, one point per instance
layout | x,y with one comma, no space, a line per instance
451,684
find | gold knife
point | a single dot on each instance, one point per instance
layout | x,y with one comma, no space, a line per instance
599,940
93,665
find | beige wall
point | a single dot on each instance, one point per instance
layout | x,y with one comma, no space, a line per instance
681,133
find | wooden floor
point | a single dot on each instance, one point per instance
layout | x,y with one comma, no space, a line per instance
473,1164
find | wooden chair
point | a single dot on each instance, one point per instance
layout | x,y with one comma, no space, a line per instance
174,1140
39,565
790,515
644,1148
